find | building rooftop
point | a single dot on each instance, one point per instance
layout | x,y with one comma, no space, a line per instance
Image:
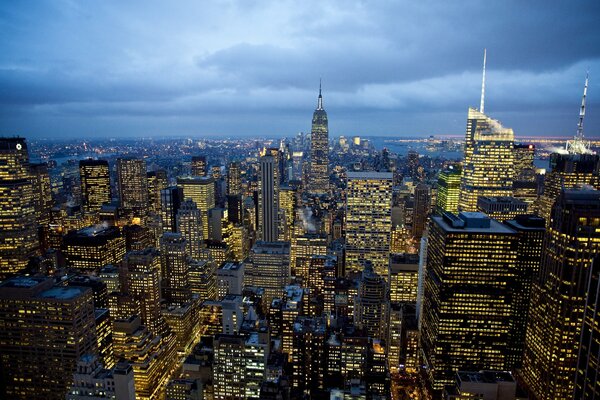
470,222
370,175
485,376
63,293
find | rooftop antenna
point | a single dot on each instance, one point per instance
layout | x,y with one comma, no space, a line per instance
578,145
582,109
320,102
483,84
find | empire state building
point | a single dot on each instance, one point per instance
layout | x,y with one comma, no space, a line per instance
318,182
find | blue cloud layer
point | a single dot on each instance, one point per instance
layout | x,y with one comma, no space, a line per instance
71,68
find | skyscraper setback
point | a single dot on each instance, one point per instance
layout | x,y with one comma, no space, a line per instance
318,182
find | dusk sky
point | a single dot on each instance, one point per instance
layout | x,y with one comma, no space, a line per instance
84,69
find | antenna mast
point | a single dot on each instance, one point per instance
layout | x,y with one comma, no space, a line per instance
481,110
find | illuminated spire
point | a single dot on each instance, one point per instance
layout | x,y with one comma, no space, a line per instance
320,101
483,84
582,109
578,145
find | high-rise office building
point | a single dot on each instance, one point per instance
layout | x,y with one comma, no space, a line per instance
95,184
203,279
174,269
44,330
318,179
421,209
448,190
558,297
370,308
234,179
488,168
133,186
576,166
501,208
368,220
189,224
202,191
152,357
141,271
157,181
90,249
18,231
587,383
524,154
199,166
567,171
42,192
403,277
93,382
170,200
530,231
268,196
467,309
302,249
269,267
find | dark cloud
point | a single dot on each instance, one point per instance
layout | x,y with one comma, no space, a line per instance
394,68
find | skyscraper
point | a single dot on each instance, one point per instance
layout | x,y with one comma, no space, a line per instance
268,196
234,179
421,209
142,282
202,191
42,192
95,184
133,186
170,201
369,310
530,230
558,297
318,182
199,166
567,171
152,357
44,330
89,249
573,167
368,220
488,165
174,269
18,232
269,267
587,385
467,308
189,224
448,190
157,181
488,168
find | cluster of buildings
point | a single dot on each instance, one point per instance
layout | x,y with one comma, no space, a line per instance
283,276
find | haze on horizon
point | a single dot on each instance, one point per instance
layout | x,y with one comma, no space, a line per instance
235,67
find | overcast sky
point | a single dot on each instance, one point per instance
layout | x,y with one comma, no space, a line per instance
248,67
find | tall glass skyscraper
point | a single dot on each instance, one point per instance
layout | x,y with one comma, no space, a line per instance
488,168
18,233
558,298
318,182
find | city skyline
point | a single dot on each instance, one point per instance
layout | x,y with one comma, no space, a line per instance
218,69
